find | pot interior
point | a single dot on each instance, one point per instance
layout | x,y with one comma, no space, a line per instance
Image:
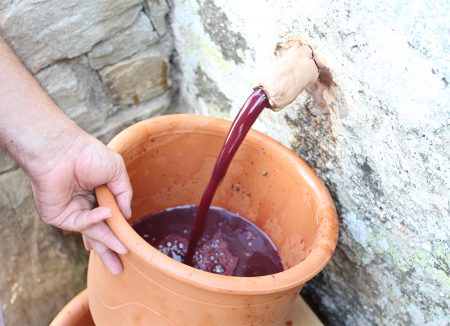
263,184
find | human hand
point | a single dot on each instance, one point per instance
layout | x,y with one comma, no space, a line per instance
63,192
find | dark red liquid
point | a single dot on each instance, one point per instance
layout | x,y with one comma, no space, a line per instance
244,120
229,244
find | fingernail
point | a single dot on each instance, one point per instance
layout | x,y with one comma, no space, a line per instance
115,270
121,249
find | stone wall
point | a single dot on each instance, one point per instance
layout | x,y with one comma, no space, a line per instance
382,149
107,65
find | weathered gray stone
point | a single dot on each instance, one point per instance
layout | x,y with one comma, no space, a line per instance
137,79
14,188
78,91
217,26
208,91
44,31
41,267
132,114
6,162
124,44
157,10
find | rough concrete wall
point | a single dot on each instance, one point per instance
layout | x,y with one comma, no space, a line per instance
382,150
107,64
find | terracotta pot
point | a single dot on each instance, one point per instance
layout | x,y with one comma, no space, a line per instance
75,313
169,160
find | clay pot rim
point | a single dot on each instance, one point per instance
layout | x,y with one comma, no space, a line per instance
326,216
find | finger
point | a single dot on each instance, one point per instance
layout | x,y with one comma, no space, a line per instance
121,188
102,233
86,242
108,257
79,215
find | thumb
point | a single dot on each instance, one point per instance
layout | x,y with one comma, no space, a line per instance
120,186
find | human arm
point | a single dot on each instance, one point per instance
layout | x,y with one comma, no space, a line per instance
64,163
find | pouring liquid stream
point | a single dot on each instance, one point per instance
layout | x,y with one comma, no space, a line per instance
242,123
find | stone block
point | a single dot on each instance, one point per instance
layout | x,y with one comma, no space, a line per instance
78,91
124,44
157,10
14,188
132,114
137,79
41,268
44,31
